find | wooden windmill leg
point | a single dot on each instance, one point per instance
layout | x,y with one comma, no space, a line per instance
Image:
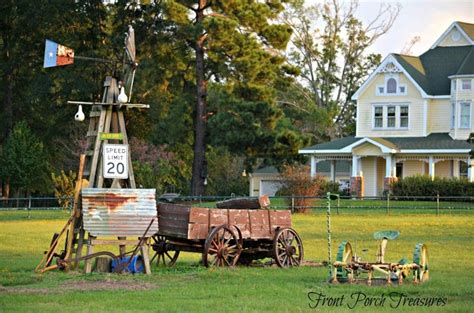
131,177
90,250
146,258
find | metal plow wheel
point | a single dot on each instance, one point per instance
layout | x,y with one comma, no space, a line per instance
163,254
288,248
222,247
344,255
420,258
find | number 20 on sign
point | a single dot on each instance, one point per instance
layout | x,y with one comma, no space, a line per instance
115,159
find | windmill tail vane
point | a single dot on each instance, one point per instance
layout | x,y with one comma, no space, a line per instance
57,55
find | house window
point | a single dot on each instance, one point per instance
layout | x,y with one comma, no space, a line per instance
399,170
404,116
453,85
465,115
453,115
466,84
391,85
391,116
381,89
463,169
378,117
402,89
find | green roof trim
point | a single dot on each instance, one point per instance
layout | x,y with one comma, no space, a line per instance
334,145
266,170
434,141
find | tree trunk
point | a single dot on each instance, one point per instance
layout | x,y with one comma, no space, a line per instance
8,90
199,161
244,203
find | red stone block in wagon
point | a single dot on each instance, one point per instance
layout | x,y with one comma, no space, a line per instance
240,218
199,216
218,217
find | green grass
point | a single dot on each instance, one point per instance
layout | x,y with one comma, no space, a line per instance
190,288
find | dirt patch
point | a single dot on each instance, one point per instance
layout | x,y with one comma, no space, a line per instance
106,285
83,285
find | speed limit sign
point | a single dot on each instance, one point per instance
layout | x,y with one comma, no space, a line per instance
115,161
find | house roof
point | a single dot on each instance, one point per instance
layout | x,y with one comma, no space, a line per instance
321,167
432,69
434,141
467,28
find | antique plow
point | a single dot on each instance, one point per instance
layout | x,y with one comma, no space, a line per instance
349,267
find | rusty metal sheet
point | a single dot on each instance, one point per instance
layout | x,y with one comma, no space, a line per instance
119,212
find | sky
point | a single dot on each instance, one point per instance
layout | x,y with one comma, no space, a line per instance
427,19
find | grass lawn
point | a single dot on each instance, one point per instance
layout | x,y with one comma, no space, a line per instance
190,288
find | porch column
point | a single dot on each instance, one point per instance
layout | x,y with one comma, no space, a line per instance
470,170
313,166
456,168
390,172
355,166
333,170
431,167
388,166
357,181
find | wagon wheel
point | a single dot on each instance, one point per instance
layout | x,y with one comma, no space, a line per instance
162,250
222,247
287,248
420,258
344,255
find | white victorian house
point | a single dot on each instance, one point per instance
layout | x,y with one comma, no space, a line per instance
414,116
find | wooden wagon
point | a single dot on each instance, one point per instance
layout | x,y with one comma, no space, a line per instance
226,236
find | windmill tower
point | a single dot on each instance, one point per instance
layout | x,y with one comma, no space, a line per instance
106,162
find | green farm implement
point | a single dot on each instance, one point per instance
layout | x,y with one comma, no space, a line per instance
349,267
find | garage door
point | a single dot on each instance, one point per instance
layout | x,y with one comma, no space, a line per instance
269,187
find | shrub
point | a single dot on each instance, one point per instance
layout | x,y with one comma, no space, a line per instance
422,185
296,181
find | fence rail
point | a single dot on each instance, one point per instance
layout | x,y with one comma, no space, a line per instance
295,203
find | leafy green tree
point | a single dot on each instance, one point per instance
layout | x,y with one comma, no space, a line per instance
330,46
234,42
225,174
25,164
64,187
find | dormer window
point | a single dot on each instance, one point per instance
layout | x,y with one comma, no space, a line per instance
453,85
392,86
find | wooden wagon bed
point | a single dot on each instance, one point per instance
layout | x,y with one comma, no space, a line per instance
226,236
194,223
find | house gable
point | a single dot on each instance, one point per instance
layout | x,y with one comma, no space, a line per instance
367,149
457,34
390,65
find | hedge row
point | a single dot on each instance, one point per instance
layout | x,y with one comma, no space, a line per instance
422,185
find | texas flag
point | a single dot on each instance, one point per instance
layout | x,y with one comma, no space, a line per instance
57,55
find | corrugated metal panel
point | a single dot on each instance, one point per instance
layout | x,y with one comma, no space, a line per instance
119,212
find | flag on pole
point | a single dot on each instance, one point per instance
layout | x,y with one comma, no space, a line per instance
57,55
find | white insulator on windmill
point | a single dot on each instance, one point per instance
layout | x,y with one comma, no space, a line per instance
122,98
80,116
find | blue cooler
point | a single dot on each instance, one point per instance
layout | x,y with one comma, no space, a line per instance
135,266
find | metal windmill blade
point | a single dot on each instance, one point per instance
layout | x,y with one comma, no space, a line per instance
130,64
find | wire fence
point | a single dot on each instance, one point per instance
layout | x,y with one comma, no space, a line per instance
386,204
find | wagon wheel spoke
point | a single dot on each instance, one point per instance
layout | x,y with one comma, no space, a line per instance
154,257
287,248
221,247
164,254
